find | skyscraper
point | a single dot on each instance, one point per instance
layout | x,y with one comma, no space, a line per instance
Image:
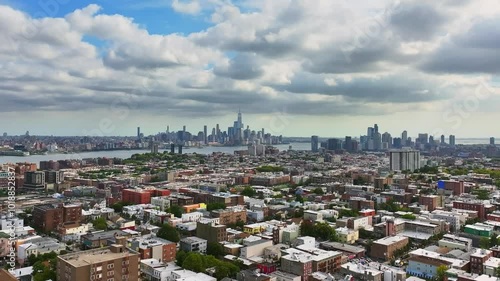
348,143
375,128
442,140
423,138
314,143
138,132
404,160
404,138
492,141
386,140
205,134
452,140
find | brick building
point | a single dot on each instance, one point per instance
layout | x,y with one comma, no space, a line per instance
49,217
231,215
479,206
136,196
210,231
112,263
384,248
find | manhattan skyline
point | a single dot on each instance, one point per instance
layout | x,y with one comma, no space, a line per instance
414,65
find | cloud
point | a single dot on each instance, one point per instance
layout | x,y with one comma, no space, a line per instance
474,51
333,58
191,7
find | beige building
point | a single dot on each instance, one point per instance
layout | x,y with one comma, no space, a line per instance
384,248
114,262
347,235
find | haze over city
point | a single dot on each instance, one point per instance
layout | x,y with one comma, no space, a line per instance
330,68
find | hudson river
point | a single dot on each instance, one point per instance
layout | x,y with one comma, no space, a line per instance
203,150
127,153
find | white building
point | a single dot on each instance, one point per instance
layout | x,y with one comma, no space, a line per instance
192,217
284,276
153,269
405,159
162,202
454,219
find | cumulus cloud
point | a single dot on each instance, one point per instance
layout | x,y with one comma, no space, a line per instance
191,7
332,58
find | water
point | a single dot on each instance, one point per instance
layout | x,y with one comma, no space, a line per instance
203,150
127,153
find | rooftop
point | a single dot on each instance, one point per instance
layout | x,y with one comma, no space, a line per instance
390,240
85,258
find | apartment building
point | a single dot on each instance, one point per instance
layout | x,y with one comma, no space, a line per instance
49,217
111,263
211,231
193,244
231,215
384,248
477,259
150,246
454,242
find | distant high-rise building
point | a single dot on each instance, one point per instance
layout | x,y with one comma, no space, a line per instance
397,143
404,160
138,132
369,132
423,138
442,139
348,143
205,134
431,139
492,141
334,144
217,133
314,143
387,139
404,137
375,128
154,147
452,140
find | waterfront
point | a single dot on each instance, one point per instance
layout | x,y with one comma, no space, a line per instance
127,153
201,150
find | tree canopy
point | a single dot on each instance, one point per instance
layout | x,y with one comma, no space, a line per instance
169,232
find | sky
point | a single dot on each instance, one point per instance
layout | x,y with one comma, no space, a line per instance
293,67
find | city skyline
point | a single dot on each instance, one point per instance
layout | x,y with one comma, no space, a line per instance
193,63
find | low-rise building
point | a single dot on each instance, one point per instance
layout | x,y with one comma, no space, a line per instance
150,246
193,244
384,248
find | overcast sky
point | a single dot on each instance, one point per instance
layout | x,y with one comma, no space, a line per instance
294,67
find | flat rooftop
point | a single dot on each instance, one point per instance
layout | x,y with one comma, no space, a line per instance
390,240
85,258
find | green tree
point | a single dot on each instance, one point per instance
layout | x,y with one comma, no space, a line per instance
248,191
484,243
409,217
176,210
194,262
441,272
318,191
299,198
493,240
100,224
215,249
215,206
169,232
180,257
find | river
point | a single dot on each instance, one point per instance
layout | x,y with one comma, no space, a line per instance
203,150
127,153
